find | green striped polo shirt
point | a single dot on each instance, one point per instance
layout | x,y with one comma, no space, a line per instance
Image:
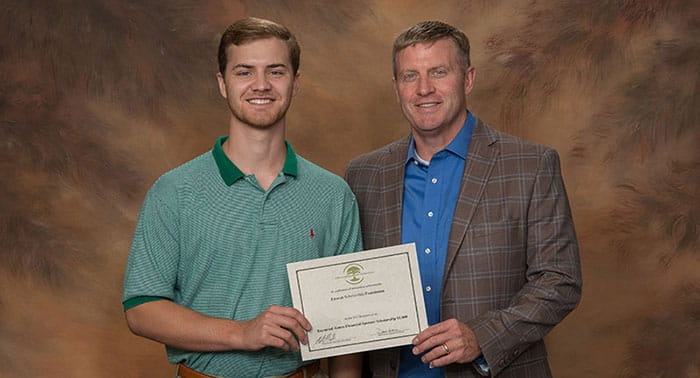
211,239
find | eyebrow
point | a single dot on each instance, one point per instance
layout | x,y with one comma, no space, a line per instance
241,66
442,66
248,66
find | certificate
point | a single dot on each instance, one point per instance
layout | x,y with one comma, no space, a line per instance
359,301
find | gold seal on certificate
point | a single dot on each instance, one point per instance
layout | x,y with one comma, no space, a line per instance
359,301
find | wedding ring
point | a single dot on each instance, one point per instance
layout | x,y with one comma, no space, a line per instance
447,350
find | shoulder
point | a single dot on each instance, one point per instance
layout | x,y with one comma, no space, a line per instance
509,146
381,157
513,154
193,173
315,175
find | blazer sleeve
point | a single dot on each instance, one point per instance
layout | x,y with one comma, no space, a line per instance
552,286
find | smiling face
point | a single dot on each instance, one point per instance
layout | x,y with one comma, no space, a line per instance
432,87
258,82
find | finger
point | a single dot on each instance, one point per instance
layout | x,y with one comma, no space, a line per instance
428,332
299,332
291,324
433,354
431,343
299,324
443,327
444,360
281,338
291,313
292,342
279,319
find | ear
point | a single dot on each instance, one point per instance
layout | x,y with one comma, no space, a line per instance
222,85
396,89
297,82
469,77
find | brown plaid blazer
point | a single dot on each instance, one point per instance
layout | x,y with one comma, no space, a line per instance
512,270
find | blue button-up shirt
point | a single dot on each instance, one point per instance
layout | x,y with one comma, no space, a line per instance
429,198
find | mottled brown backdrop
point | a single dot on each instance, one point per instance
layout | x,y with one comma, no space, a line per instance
98,98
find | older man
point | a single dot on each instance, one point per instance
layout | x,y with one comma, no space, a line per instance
489,215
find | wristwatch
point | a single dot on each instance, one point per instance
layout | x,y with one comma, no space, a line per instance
481,366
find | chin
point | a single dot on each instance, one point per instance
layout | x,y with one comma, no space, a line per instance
260,122
426,128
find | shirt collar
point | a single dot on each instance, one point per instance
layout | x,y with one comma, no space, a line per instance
458,146
230,173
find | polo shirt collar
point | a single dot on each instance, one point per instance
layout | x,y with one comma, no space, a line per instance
230,173
458,146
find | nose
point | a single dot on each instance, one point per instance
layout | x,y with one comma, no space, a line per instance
261,83
425,86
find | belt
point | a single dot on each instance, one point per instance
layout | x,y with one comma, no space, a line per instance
185,372
307,371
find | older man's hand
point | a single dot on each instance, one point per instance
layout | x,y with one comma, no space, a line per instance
447,342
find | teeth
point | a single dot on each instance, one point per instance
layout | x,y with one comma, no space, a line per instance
259,101
428,105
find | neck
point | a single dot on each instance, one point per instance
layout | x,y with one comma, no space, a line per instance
428,143
257,151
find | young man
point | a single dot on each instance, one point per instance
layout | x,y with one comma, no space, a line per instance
206,274
489,215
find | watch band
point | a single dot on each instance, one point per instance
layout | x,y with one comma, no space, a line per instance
481,366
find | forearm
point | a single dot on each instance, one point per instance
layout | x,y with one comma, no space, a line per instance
178,326
533,312
552,286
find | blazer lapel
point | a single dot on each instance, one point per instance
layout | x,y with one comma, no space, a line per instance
480,161
392,190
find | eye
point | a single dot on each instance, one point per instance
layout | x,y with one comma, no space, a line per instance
277,73
409,76
439,73
243,73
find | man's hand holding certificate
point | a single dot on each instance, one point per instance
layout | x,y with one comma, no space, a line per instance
359,301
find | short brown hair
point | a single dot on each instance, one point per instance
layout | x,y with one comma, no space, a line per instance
432,31
252,29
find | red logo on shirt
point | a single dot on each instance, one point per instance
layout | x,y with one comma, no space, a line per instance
311,233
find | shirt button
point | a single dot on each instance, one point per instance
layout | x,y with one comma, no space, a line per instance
427,250
430,214
428,288
434,180
415,162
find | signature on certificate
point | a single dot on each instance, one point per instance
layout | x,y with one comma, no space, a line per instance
326,338
330,338
390,331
